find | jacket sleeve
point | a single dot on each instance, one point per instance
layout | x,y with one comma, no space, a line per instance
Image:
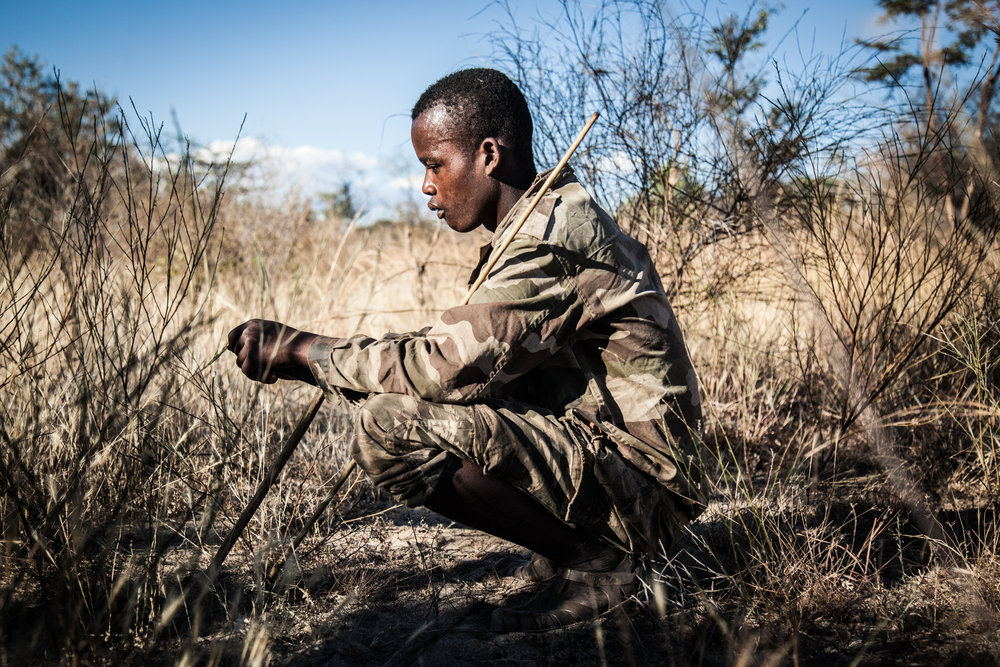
522,314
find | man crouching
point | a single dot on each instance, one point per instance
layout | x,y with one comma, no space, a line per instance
558,409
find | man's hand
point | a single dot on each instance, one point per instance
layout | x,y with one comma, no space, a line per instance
267,351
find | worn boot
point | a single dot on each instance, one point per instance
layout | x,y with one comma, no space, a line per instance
536,570
572,596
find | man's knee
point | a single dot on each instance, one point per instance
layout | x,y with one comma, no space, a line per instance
377,416
394,450
378,419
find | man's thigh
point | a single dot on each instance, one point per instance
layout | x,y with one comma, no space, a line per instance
406,445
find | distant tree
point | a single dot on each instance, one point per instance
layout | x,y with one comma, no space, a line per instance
339,203
46,120
48,130
732,40
954,34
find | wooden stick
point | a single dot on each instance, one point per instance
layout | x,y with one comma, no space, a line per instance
272,474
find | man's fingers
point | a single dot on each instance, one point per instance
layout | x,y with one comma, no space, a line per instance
234,336
252,369
257,345
253,366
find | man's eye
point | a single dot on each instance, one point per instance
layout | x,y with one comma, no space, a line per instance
434,167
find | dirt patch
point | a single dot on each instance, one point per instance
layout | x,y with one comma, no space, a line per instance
408,587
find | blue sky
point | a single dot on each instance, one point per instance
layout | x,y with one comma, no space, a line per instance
324,85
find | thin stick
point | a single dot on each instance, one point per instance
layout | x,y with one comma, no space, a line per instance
272,474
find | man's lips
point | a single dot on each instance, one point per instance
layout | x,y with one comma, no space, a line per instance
436,209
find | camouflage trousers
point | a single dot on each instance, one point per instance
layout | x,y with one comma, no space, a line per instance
407,446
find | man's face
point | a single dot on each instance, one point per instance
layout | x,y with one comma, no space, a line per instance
456,177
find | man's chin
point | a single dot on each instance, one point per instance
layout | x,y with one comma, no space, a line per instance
460,226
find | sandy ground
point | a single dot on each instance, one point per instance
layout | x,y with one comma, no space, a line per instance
407,587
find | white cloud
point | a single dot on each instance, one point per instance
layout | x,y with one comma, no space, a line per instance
304,166
408,183
379,186
618,163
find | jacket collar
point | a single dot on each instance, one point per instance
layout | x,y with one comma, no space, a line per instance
565,176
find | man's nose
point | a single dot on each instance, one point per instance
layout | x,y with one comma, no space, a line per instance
428,187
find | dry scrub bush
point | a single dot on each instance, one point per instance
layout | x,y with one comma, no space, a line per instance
851,400
95,316
128,443
839,305
121,444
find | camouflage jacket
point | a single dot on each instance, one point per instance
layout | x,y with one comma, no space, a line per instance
572,318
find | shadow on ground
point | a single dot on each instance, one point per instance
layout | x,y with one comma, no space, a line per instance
730,595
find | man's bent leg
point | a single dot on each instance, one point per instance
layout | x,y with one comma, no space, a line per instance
493,506
403,445
400,443
592,577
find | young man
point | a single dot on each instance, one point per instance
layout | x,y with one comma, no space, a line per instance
558,409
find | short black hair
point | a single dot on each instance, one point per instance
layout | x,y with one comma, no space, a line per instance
488,104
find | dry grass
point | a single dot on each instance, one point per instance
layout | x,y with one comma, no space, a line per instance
847,350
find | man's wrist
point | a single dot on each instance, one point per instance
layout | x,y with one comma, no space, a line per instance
303,341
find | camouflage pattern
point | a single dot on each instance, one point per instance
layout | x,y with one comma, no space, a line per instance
406,444
572,321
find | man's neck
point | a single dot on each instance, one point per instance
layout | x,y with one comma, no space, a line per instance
509,196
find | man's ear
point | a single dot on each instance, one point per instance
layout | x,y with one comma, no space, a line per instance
493,153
